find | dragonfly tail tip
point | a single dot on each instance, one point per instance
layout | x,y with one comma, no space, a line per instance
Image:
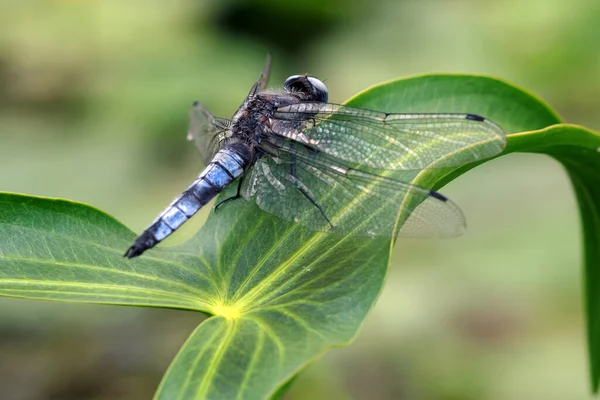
145,241
134,251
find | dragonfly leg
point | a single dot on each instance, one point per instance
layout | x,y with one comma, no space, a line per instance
304,192
237,195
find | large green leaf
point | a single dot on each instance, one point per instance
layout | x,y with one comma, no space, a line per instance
279,295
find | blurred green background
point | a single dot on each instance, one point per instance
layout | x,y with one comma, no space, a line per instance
94,98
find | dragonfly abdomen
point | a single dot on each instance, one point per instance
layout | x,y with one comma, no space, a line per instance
226,166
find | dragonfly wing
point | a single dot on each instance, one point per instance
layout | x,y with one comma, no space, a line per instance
357,203
263,80
206,131
366,138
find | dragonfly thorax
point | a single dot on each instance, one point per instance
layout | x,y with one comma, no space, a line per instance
249,120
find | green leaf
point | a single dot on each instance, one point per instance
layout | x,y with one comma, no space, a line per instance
279,295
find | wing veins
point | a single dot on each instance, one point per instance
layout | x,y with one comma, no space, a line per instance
405,141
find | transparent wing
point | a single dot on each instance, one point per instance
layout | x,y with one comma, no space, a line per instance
356,202
206,131
390,141
263,80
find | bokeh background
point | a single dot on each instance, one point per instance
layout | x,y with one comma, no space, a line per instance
93,107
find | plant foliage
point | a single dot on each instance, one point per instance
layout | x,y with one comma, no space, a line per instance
278,295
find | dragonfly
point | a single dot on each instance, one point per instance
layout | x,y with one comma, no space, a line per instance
328,167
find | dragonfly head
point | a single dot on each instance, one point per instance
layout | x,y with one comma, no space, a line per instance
306,87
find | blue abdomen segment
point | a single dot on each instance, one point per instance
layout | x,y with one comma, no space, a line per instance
225,167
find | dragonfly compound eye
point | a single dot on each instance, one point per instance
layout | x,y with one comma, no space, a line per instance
311,89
